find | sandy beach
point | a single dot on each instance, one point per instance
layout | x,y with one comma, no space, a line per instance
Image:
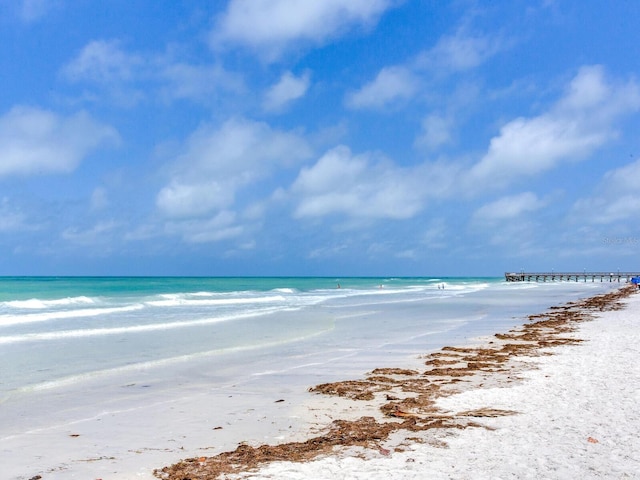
555,398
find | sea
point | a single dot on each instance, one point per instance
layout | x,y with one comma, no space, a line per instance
76,350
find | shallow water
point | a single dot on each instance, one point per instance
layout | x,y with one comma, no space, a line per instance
75,350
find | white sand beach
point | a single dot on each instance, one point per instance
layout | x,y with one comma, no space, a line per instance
576,415
491,407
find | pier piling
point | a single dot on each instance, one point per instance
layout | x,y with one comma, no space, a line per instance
569,276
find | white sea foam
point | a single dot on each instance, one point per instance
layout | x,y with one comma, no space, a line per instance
284,290
96,332
36,303
181,300
7,320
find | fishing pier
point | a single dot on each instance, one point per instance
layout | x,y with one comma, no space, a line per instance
570,276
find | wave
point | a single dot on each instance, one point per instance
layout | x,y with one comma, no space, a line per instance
36,304
8,320
95,332
181,300
285,290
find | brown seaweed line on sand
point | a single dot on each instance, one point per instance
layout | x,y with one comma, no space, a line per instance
407,397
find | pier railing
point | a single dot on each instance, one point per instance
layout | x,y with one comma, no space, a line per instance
569,276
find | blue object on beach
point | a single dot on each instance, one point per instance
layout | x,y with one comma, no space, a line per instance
635,280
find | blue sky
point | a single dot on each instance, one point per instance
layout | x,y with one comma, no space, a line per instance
309,137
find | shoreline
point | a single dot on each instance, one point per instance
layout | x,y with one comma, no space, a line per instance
399,408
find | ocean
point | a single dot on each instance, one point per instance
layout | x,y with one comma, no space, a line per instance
76,352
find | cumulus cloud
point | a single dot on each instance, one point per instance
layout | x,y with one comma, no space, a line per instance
288,89
615,199
452,53
220,161
582,121
391,84
509,207
36,141
363,186
272,27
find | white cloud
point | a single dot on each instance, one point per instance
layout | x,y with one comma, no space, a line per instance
220,161
530,146
436,131
288,88
588,89
359,186
391,84
582,121
621,208
271,27
508,208
35,141
129,77
103,61
182,198
96,235
625,179
219,227
616,199
459,52
451,54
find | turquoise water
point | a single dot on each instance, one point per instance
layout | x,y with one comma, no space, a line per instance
22,288
61,331
79,348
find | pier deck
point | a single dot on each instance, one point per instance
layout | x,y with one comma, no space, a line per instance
569,276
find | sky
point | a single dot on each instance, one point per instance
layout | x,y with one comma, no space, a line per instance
319,137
